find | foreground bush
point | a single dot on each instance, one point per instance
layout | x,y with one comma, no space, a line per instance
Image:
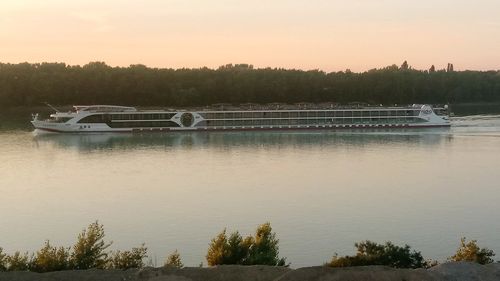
261,249
371,253
50,258
470,251
18,262
88,252
174,260
3,260
128,259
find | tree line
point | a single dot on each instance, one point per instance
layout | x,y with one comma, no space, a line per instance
30,84
90,252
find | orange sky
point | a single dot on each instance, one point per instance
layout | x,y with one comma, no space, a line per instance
315,34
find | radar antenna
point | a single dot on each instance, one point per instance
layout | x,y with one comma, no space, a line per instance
49,105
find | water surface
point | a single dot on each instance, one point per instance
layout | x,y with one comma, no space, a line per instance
321,191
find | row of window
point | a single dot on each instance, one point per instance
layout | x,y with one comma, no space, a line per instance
143,116
106,118
143,124
310,114
291,122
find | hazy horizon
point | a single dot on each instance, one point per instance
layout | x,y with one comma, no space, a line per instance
327,35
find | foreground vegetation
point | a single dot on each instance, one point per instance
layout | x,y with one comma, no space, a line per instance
90,252
259,249
388,254
28,84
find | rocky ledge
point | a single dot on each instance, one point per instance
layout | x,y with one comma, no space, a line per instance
456,271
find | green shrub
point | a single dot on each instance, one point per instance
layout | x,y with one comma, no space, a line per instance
89,250
371,253
18,262
128,259
174,260
50,258
238,249
262,249
470,251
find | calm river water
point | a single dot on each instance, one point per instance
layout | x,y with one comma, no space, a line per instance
321,191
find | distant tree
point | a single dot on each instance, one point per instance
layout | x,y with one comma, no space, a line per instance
449,68
27,84
89,250
404,66
388,254
50,258
18,262
470,251
128,259
432,69
174,260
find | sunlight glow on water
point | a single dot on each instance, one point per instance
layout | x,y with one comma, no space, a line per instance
321,191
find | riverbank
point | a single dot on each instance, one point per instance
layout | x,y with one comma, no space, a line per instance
456,271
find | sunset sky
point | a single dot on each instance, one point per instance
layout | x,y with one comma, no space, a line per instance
306,34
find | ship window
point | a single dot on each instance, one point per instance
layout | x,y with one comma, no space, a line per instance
143,124
312,114
60,119
275,115
96,118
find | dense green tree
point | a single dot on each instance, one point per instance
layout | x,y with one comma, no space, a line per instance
388,254
264,249
470,251
238,249
27,84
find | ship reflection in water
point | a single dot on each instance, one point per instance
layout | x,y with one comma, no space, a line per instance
230,140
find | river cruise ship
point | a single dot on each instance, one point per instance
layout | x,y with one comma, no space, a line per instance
112,118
